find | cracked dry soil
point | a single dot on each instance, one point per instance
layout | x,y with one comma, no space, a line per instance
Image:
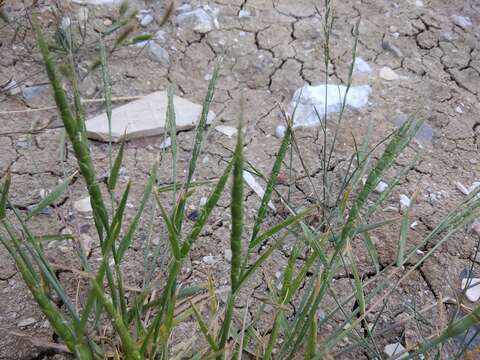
266,57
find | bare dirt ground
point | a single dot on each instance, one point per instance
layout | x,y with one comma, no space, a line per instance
266,57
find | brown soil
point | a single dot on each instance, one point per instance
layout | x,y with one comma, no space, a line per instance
266,57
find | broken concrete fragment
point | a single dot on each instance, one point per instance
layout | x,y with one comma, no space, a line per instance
256,187
388,74
145,117
394,350
471,286
226,130
309,102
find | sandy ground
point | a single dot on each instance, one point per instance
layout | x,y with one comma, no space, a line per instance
266,57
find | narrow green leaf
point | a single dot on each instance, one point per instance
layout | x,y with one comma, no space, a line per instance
127,239
3,199
204,328
112,179
172,234
50,198
291,220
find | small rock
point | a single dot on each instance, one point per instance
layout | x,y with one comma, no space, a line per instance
199,20
203,200
404,202
309,101
12,88
228,255
226,130
244,13
388,74
107,22
26,322
393,350
413,225
209,259
42,193
146,20
381,187
360,66
471,286
193,215
166,143
462,21
419,3
158,53
386,45
420,252
145,117
459,110
83,205
280,131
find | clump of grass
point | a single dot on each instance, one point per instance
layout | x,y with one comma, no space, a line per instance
143,322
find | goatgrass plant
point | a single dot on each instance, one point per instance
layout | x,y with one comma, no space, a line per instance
143,320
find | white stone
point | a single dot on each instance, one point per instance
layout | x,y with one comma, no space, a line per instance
158,53
308,98
413,225
472,288
471,188
203,200
381,187
419,3
83,205
12,88
404,202
199,20
388,74
166,143
393,350
226,130
361,66
256,187
145,117
462,21
228,255
65,23
280,131
244,13
26,322
209,259
459,110
146,20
